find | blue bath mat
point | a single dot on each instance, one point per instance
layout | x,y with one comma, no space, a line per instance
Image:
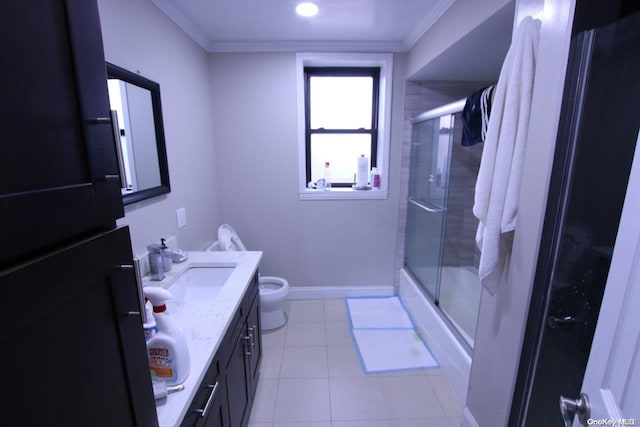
385,336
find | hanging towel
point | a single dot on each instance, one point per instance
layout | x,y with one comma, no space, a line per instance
475,115
498,184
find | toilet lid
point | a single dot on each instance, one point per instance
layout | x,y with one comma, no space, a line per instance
229,240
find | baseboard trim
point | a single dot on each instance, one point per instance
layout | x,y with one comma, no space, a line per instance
329,292
467,418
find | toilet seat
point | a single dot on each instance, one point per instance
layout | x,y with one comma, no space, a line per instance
229,240
273,287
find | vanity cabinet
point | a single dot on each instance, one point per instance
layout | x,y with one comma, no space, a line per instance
210,405
73,349
59,169
73,346
226,394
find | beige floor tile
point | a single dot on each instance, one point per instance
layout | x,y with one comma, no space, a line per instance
425,422
367,423
410,397
335,310
304,424
302,399
275,337
356,399
271,362
338,333
265,401
312,376
455,421
344,362
306,311
305,333
304,362
448,399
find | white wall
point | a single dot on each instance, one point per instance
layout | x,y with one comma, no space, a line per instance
502,317
310,242
139,37
462,17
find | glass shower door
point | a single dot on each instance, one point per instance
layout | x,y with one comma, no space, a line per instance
426,209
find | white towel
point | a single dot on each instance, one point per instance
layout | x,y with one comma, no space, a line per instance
498,184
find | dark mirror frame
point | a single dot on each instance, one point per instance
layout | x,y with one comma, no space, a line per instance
115,72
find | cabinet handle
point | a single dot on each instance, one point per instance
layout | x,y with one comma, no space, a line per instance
248,339
100,121
137,270
135,267
205,410
252,332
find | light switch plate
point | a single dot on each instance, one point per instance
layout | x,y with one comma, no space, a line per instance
181,216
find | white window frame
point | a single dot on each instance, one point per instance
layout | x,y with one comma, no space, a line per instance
385,62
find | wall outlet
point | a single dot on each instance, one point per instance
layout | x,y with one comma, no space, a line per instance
181,216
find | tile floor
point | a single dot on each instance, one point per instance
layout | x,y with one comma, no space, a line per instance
311,377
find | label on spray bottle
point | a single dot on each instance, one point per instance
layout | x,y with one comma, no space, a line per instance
161,364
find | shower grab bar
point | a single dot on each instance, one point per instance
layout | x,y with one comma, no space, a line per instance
425,205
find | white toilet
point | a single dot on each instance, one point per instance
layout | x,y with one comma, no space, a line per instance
273,290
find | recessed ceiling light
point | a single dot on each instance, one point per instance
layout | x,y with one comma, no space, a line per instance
307,9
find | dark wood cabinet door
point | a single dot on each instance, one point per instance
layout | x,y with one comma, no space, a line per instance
218,413
237,382
58,168
73,346
209,407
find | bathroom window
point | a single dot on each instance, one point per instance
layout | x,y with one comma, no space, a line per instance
343,112
341,121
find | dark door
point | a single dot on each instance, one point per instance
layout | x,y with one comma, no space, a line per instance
73,346
58,169
596,141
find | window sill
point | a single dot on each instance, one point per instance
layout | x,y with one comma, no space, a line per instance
342,194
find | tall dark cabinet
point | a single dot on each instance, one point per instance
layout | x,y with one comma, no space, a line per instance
73,350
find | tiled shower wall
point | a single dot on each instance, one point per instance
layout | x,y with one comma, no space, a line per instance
460,224
420,97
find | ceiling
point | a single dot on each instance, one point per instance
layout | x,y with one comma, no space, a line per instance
341,25
272,25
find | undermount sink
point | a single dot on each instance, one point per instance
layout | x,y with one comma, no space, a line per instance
200,283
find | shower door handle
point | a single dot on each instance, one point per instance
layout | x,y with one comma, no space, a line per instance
423,205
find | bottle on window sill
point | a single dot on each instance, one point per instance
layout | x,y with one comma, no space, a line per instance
327,177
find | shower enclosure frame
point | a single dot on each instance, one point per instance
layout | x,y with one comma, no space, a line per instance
442,111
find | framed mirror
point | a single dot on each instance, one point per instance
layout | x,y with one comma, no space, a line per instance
136,114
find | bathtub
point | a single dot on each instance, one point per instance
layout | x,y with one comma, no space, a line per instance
452,356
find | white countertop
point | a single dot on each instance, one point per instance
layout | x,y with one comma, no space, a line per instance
204,323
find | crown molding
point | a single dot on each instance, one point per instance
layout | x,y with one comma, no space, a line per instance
173,13
304,46
438,10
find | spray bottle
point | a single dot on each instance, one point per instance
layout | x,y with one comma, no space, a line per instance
168,352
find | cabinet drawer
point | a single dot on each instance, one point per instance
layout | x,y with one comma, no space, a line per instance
207,404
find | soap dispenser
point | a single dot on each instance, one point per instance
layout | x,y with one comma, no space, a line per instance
167,261
156,265
168,352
